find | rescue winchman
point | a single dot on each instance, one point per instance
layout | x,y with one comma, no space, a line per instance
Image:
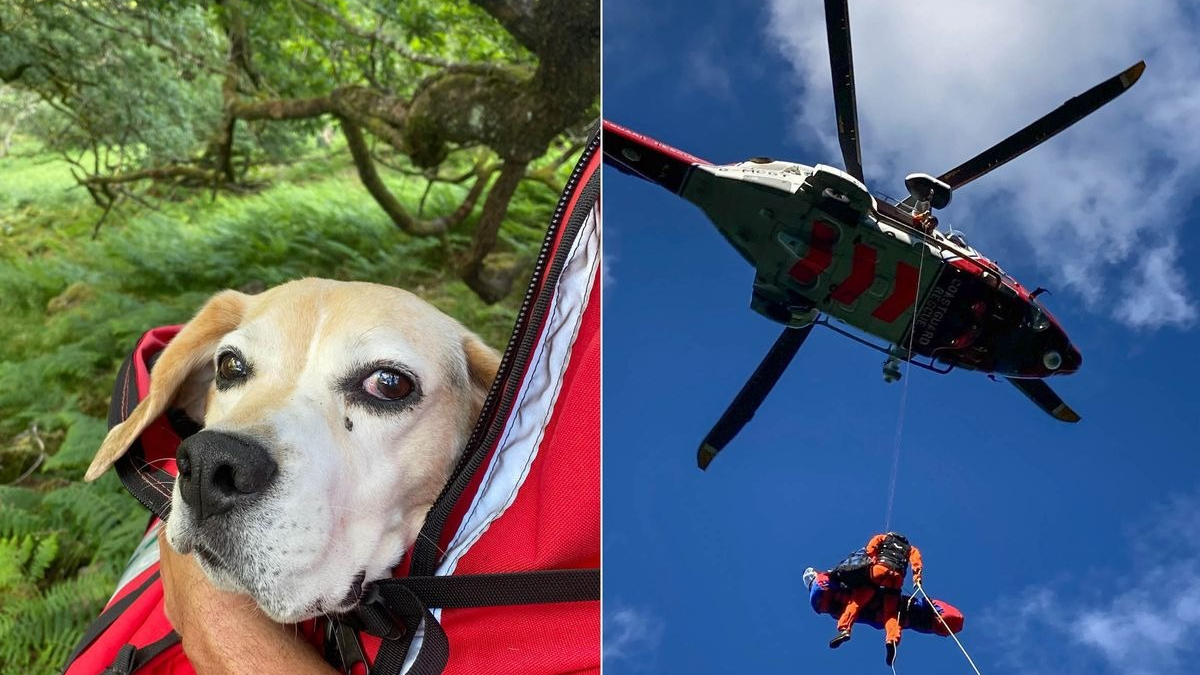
890,555
923,218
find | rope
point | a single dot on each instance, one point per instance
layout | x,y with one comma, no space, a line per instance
956,641
887,521
907,607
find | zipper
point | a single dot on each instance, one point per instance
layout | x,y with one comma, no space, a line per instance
498,405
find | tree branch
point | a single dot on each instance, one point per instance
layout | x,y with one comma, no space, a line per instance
371,180
236,60
493,284
16,73
282,109
517,17
171,171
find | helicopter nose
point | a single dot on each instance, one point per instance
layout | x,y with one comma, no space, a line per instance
1072,360
1061,360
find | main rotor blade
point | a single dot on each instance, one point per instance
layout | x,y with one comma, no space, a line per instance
1044,128
841,64
753,393
1041,394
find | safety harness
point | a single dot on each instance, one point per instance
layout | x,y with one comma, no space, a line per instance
506,567
893,552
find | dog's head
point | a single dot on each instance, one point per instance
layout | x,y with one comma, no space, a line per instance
333,415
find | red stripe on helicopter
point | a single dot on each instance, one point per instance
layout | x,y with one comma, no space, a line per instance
904,294
820,254
862,274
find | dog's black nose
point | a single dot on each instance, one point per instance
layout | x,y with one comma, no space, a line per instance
220,471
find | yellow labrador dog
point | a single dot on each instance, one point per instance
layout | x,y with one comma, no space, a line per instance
333,415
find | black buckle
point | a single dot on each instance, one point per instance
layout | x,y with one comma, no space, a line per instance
375,616
122,664
343,649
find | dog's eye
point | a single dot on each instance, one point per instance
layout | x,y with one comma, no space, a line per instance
230,367
388,385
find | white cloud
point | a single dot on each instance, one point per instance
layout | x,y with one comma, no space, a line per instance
631,635
608,261
1157,291
1140,621
1099,207
1149,628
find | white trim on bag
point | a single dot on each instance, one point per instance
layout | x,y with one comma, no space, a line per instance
523,431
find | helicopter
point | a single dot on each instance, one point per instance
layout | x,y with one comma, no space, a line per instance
826,249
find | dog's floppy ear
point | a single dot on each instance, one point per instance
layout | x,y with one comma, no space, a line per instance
181,376
482,364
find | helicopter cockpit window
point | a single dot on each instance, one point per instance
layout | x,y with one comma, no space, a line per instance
1037,316
960,240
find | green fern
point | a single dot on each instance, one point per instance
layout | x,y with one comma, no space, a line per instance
39,629
43,556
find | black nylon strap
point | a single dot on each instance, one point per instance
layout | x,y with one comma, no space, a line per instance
508,588
108,617
150,651
394,613
394,608
124,394
129,658
435,649
122,663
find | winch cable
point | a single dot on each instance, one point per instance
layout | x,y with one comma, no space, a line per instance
896,472
907,607
938,614
887,521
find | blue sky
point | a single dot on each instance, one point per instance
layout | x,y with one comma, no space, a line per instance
1071,549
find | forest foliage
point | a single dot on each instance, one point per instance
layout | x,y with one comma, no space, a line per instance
153,97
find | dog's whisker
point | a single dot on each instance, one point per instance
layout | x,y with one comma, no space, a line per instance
162,491
159,488
422,535
433,541
152,462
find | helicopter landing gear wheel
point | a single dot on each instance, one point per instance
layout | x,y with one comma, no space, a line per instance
834,195
837,205
891,370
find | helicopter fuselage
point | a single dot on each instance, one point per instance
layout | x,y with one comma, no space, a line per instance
821,243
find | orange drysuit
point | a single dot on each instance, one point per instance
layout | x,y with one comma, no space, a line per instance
883,578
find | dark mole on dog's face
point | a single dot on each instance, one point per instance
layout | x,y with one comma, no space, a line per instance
349,425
